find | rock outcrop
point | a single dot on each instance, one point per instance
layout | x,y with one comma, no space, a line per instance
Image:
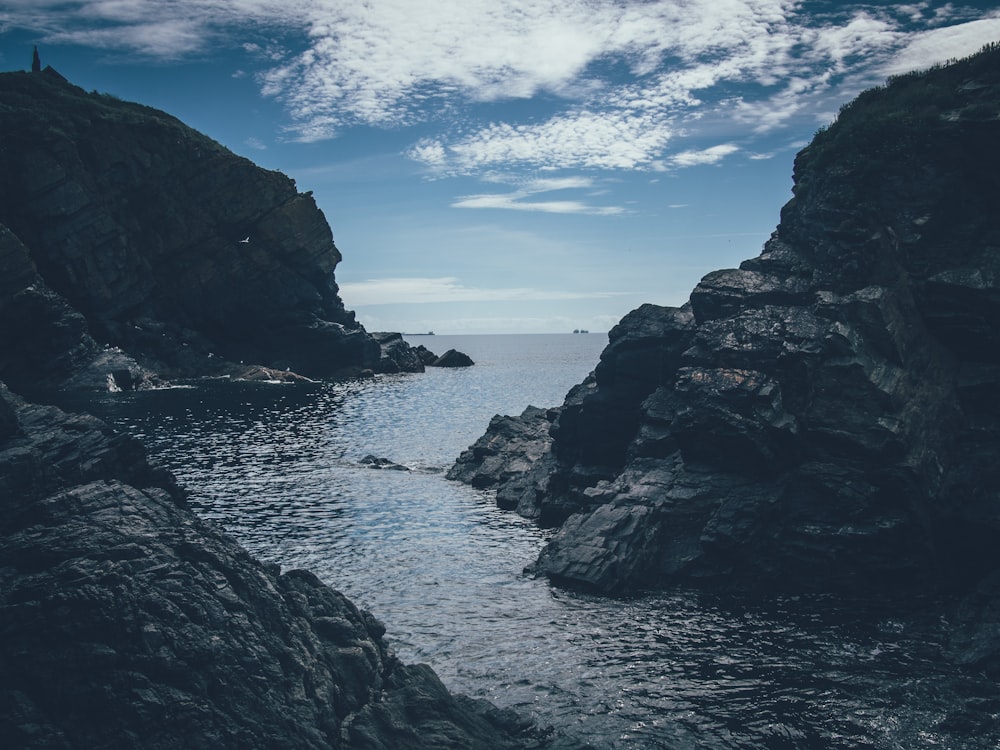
134,234
453,358
127,621
399,356
824,417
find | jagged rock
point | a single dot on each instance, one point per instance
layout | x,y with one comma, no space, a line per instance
823,417
126,620
453,358
152,238
513,456
975,641
425,355
44,342
397,354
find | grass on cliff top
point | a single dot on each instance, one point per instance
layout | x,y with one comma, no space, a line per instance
887,121
46,103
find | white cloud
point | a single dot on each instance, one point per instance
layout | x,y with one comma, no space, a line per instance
517,200
587,139
712,155
862,35
165,39
622,80
513,201
392,291
161,29
939,45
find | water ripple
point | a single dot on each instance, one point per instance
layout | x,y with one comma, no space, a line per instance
281,468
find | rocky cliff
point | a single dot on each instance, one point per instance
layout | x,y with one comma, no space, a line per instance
132,244
125,620
825,417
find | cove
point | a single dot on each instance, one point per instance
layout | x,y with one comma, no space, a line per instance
281,467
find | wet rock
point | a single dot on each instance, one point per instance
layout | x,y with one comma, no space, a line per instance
270,375
514,458
425,355
377,462
46,342
975,641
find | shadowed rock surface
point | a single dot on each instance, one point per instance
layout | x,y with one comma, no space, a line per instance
126,621
824,417
131,230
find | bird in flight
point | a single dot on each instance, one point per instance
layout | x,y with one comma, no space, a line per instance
245,241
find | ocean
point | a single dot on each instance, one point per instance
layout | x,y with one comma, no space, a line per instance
282,468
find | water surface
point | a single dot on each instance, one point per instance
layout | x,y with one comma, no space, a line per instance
281,468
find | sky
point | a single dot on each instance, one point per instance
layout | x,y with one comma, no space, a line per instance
508,166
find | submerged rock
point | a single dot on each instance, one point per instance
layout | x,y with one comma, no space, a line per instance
378,462
823,417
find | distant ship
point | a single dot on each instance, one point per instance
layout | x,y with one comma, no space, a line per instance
580,330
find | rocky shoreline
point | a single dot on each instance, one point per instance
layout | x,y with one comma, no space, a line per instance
823,418
135,252
127,621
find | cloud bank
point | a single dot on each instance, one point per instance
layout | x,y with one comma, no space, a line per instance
391,291
620,81
522,199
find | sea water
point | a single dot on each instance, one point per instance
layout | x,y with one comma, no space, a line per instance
282,468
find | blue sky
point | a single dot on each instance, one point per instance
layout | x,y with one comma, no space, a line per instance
508,166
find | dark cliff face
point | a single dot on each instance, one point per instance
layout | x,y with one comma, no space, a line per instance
139,224
824,417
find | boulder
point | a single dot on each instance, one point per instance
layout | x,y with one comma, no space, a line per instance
453,358
425,355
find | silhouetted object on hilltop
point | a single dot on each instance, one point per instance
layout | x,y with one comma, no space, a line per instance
36,61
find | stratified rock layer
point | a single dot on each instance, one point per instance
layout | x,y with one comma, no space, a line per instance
826,416
126,621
